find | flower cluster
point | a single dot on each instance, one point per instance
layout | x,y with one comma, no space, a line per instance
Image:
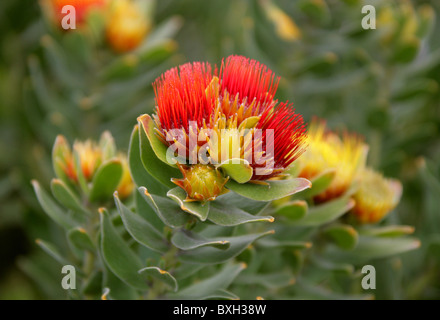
81,162
126,25
345,158
219,115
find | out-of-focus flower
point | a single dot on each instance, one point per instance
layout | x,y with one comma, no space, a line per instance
126,185
90,157
217,116
285,27
87,157
376,196
328,151
83,9
127,26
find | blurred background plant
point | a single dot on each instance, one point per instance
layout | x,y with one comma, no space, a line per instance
382,83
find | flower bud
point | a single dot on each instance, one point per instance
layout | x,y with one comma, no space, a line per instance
201,182
376,196
127,26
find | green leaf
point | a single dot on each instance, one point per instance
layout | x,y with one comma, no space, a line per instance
140,229
160,275
238,169
61,150
79,238
220,294
293,210
196,208
209,287
106,180
121,260
319,184
51,250
140,175
187,240
376,247
79,173
386,231
156,168
326,212
166,209
107,145
148,126
344,236
274,190
232,199
52,209
275,243
65,196
147,212
269,281
327,264
224,214
209,255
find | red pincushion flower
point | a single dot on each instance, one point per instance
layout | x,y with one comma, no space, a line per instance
241,97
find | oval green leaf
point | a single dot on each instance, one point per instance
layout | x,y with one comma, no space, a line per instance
187,240
106,180
274,190
161,275
142,231
196,208
121,260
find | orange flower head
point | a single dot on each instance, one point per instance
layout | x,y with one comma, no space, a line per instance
82,8
375,197
217,115
127,26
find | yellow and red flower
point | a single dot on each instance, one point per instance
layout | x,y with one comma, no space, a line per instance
83,9
326,150
228,113
376,196
127,26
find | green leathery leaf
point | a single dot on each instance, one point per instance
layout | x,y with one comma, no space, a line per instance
65,196
275,189
326,264
147,124
209,255
386,231
106,180
142,231
275,243
139,174
237,169
51,250
210,286
79,173
196,208
60,151
160,275
107,145
187,240
57,214
232,199
378,247
79,238
269,281
147,212
293,210
319,184
344,236
166,209
121,260
158,169
326,212
220,294
224,214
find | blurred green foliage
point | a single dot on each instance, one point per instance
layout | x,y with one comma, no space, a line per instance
382,83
